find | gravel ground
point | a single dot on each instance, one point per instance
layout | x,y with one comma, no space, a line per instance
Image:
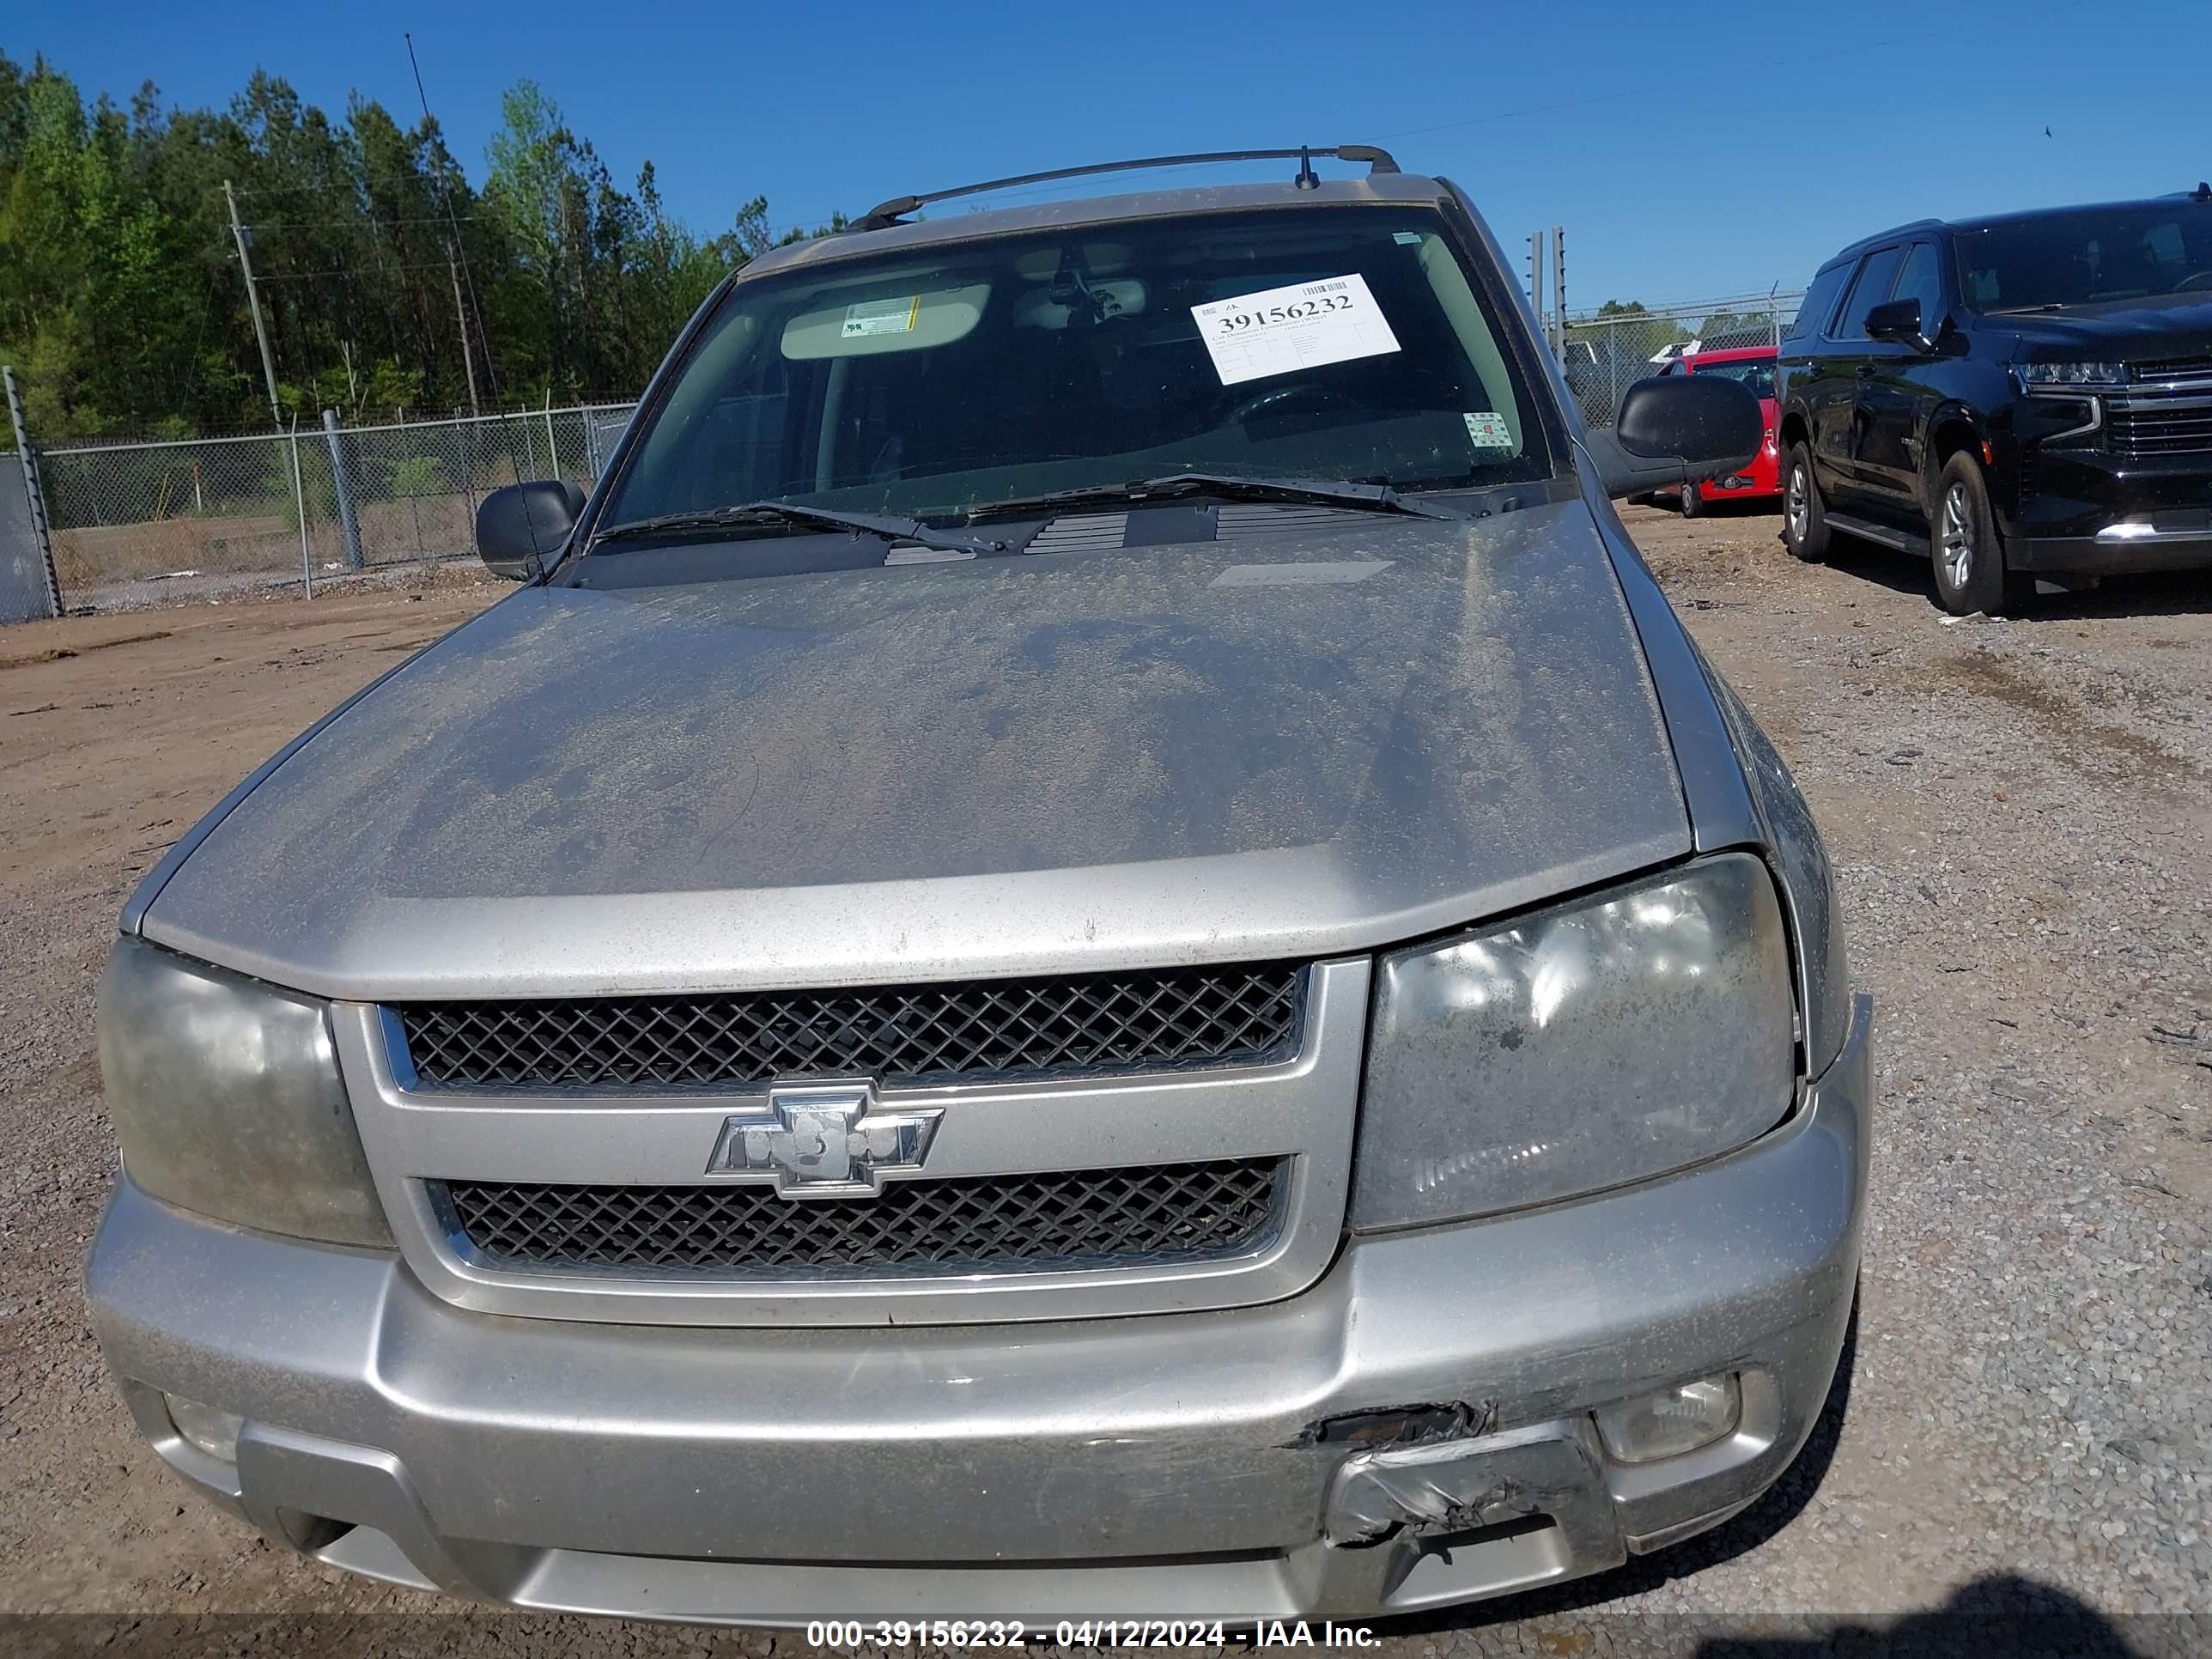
2020,1456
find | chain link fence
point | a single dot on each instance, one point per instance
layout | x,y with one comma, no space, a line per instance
154,523
1606,352
139,524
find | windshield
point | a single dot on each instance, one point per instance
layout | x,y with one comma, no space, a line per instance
2096,255
1756,373
1314,344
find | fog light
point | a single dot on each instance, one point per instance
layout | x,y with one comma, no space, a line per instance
1672,1421
214,1432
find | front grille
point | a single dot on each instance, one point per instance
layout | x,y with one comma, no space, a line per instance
2172,368
988,1028
1088,1218
2146,422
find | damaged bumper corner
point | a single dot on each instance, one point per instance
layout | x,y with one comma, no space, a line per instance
1502,1511
1540,1502
1465,1485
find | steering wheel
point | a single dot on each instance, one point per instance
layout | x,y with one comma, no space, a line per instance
2194,283
1277,398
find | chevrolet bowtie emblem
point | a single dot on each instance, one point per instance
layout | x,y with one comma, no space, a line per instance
825,1140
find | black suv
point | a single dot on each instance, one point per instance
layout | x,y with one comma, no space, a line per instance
2021,397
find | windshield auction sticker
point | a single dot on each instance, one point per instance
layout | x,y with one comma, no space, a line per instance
1281,330
881,317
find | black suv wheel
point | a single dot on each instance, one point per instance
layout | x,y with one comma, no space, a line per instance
1804,520
1964,545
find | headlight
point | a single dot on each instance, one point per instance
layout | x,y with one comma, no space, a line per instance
2066,377
226,1099
1599,1042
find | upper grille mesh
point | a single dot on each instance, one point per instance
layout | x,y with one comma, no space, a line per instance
2171,369
987,1027
1108,1217
2152,423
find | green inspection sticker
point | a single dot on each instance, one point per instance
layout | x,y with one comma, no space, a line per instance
1486,429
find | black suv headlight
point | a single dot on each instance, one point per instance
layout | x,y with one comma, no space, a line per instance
2070,377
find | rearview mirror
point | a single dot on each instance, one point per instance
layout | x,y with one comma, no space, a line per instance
1896,319
520,527
1682,429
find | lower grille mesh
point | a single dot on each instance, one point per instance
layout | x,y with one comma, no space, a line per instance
1082,1218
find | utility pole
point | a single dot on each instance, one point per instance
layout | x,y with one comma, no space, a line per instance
460,313
34,497
253,304
1560,294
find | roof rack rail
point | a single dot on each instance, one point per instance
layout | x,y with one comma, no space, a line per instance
884,214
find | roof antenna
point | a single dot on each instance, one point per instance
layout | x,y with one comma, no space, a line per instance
1306,179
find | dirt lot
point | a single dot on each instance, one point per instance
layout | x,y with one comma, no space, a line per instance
2020,813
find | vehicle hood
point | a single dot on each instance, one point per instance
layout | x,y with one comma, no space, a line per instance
1263,749
2124,331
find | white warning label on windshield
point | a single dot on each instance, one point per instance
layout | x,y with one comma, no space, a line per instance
881,317
1305,326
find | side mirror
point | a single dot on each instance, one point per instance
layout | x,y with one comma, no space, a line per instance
520,526
1682,429
1897,319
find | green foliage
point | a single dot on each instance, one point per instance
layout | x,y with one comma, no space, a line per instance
837,222
418,475
122,304
1726,329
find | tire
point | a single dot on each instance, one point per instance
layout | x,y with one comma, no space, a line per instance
1965,549
1693,501
1804,517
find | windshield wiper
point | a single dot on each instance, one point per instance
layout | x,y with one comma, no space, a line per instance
731,519
2022,311
1369,498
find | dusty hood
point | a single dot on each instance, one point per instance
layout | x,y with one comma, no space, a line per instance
1290,746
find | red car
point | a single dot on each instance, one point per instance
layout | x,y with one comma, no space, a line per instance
1762,480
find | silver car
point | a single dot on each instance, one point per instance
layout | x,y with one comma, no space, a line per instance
1088,946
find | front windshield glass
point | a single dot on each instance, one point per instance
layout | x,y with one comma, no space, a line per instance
2096,256
1756,372
1339,344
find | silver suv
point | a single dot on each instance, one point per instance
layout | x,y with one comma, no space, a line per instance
1088,944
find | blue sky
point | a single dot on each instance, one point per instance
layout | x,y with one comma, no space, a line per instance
1712,148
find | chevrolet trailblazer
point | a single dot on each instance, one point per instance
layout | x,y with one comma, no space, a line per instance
1087,945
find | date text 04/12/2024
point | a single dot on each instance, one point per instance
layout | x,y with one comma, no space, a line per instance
1080,1633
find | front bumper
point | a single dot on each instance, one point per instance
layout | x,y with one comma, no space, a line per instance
2129,547
2092,513
1238,1464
